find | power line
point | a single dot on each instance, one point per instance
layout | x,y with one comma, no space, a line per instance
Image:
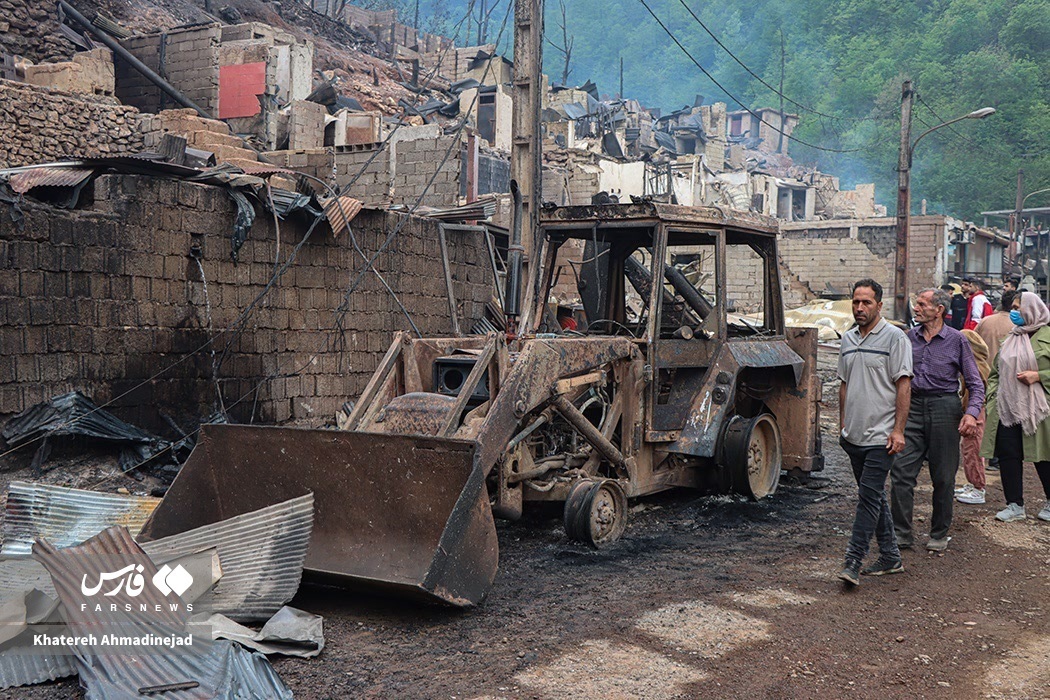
757,77
737,99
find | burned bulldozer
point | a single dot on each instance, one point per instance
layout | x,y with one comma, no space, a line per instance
660,386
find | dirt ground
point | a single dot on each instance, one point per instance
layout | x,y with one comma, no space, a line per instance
708,597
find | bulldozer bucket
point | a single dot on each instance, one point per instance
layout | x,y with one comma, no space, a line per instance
408,515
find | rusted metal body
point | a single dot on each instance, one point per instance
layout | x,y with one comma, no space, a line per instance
451,431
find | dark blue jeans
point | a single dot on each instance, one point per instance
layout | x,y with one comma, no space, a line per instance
871,466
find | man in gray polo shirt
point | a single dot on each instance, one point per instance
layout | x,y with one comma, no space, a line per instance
875,366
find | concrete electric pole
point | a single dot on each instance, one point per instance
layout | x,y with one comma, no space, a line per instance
1019,247
900,280
526,147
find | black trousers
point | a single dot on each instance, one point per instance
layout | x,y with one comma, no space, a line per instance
931,434
1009,449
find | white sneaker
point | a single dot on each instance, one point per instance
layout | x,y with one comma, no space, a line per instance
973,496
1011,513
963,489
1044,514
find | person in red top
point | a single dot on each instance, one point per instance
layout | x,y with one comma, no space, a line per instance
977,304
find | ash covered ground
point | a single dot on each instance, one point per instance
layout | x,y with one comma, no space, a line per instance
705,596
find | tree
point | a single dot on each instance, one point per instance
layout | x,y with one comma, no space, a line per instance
565,49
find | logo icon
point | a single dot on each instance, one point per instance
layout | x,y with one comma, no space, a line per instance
168,580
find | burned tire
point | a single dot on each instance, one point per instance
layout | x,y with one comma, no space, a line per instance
753,456
596,512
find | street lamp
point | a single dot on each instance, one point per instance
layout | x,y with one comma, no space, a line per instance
907,148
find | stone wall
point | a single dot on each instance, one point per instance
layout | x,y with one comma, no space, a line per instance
41,125
104,298
30,29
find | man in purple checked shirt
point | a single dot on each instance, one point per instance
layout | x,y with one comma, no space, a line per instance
940,355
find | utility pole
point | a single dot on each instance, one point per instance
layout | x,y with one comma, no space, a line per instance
1017,230
620,95
900,280
526,150
780,141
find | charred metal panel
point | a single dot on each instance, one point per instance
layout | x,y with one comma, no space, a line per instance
685,385
65,516
767,353
797,408
384,504
710,408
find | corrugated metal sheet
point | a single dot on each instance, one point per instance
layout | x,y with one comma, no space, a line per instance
75,414
19,668
222,670
265,169
340,211
261,554
22,182
65,516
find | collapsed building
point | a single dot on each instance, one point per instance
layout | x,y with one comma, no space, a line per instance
339,99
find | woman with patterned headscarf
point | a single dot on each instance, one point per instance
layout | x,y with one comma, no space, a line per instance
1018,406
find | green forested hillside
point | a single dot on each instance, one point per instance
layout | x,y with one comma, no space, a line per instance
844,59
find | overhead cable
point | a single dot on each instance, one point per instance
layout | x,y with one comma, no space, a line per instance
737,99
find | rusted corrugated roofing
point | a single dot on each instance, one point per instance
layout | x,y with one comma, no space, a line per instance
340,212
25,180
65,516
221,670
261,169
261,554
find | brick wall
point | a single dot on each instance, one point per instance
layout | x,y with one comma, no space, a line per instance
745,283
817,256
101,299
30,29
841,252
42,124
186,58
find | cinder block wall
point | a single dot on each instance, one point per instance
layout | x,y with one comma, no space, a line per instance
853,249
186,58
102,299
420,160
42,124
397,175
